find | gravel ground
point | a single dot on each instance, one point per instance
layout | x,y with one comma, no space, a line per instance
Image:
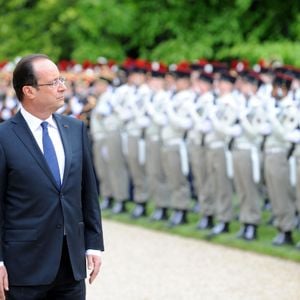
140,264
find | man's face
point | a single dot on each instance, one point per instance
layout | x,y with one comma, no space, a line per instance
225,87
138,78
279,92
182,84
100,87
156,83
203,86
47,98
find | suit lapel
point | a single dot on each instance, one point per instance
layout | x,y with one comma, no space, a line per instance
23,132
64,131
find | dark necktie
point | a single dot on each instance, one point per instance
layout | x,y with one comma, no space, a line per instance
49,153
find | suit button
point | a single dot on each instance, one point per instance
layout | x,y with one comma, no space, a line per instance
58,226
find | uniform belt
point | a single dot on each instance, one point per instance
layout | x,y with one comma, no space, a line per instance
134,133
153,138
194,142
242,146
216,145
173,142
98,137
275,150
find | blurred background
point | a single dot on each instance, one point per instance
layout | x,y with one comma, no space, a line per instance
169,31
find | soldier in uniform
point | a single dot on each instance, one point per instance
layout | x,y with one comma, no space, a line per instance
219,161
267,77
113,124
245,143
295,87
282,117
135,105
196,146
174,152
8,104
156,107
294,138
102,92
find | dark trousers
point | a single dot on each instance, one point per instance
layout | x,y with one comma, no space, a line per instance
64,287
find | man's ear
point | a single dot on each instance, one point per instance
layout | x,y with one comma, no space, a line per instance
29,91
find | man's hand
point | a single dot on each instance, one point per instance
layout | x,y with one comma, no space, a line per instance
94,264
3,282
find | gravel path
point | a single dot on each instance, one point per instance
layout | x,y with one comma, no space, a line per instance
140,264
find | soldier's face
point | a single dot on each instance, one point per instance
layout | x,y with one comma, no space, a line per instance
279,92
203,86
156,83
182,84
225,87
99,87
138,78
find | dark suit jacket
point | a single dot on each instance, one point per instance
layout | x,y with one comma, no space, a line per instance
34,211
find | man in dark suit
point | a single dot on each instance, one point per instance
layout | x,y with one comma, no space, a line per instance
50,222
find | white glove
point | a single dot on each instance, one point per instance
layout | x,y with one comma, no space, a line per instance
104,109
265,129
235,131
293,136
205,126
6,114
125,114
272,113
160,119
143,121
212,112
243,114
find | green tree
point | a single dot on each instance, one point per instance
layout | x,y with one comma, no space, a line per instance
169,30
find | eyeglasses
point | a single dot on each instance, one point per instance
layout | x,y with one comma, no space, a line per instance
54,83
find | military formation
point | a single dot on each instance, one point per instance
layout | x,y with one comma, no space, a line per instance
210,131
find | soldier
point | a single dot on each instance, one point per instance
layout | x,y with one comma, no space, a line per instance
156,107
283,119
174,152
246,160
8,104
196,146
295,87
135,107
294,138
118,170
219,161
267,77
103,94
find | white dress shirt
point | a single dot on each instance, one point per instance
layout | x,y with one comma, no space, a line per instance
34,124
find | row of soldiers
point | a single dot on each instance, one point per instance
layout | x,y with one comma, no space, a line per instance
230,132
8,100
162,131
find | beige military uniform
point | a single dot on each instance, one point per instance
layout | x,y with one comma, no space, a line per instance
118,171
157,181
246,161
277,169
100,150
219,164
135,104
197,151
174,152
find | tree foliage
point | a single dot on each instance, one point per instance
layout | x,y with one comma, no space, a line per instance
169,30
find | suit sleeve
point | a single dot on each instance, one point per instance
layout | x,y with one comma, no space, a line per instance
90,199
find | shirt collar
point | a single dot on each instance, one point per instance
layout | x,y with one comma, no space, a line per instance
33,122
